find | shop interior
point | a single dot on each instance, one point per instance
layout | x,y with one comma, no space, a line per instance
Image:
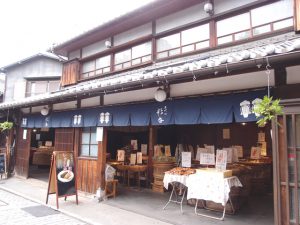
41,149
254,174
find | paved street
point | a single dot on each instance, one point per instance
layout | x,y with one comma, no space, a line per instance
17,210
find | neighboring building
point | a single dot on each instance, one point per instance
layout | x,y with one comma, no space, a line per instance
37,74
202,63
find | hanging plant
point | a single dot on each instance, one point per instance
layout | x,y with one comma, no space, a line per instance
6,126
266,110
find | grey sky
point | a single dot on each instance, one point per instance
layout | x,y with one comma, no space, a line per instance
32,26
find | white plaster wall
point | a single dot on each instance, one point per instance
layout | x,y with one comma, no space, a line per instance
236,82
180,18
293,75
88,102
93,48
41,67
133,34
65,105
130,96
221,6
74,54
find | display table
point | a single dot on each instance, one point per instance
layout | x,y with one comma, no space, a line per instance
179,188
134,169
210,188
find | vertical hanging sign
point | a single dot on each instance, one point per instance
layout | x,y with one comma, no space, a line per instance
62,177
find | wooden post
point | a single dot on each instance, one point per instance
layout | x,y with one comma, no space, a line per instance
152,142
101,162
297,15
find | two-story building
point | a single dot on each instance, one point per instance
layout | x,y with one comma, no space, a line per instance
29,77
171,72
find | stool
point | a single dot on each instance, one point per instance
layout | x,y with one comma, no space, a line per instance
111,188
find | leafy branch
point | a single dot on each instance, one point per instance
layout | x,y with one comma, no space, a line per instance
6,126
266,110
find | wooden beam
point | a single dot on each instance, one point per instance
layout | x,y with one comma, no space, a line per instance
152,142
101,162
280,76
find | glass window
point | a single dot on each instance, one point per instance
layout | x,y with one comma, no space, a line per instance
88,66
195,34
141,50
262,29
103,62
123,56
169,42
89,145
233,24
283,24
54,85
272,12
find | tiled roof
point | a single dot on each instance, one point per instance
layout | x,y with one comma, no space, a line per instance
197,64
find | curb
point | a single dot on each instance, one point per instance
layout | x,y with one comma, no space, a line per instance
49,206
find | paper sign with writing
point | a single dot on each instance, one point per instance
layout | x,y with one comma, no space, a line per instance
226,133
186,158
235,155
207,159
99,134
255,153
121,156
261,137
157,150
229,154
263,147
211,148
167,150
134,144
221,160
139,158
240,151
144,149
201,150
132,159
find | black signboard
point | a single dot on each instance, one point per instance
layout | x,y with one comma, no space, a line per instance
2,164
62,177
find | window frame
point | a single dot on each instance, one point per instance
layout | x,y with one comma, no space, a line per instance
95,69
252,28
133,59
33,81
80,149
181,46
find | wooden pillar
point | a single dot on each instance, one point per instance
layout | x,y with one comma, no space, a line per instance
101,162
9,140
152,142
297,15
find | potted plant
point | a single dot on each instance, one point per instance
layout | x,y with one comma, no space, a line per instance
266,110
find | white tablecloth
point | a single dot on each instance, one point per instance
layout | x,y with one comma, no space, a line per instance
169,178
211,188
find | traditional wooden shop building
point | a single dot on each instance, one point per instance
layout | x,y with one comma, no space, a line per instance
174,72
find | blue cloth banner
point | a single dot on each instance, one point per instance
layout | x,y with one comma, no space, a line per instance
202,110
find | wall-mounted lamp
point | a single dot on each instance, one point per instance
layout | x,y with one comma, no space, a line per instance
208,8
160,95
107,44
45,111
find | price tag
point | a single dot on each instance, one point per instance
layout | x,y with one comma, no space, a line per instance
255,153
186,158
139,159
144,149
207,159
121,156
132,159
167,150
221,160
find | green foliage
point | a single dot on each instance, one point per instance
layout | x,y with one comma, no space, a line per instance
266,110
6,126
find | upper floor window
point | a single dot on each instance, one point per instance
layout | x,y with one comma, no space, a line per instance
41,87
257,21
89,145
134,56
185,41
96,67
